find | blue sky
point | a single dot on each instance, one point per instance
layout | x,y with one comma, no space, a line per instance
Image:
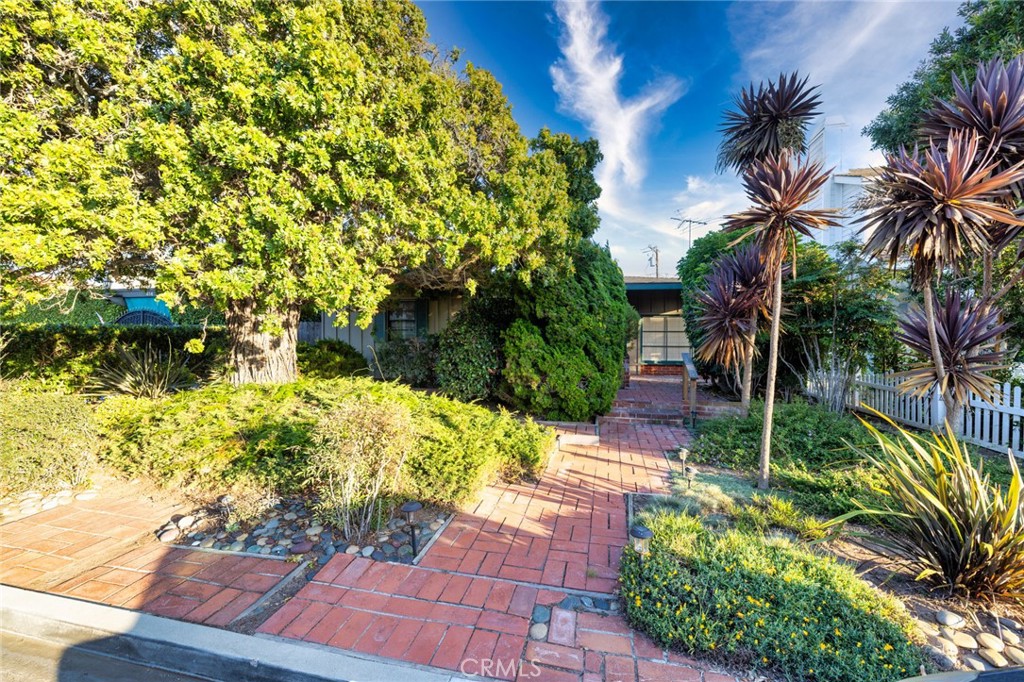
649,80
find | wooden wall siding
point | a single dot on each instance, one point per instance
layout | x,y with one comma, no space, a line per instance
649,303
348,331
441,311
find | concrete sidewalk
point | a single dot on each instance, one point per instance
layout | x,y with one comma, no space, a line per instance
60,638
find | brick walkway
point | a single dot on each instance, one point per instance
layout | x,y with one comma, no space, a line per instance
528,553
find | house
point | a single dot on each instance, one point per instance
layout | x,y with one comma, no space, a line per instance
661,337
403,318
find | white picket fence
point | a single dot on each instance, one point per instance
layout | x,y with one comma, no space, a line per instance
995,426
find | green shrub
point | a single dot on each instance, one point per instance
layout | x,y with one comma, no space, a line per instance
468,361
763,603
327,359
66,356
47,440
410,361
217,436
563,355
950,523
356,461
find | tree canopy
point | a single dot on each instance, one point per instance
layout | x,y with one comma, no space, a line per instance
260,155
992,28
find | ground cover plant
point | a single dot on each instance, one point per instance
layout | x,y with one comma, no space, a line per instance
764,602
259,438
48,440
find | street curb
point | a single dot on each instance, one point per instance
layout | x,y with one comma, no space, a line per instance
190,648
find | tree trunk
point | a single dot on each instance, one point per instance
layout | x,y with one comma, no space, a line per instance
747,390
769,391
258,356
940,367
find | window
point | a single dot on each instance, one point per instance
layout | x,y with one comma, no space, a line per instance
663,339
401,320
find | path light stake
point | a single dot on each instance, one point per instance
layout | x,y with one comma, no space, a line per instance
683,454
409,509
691,474
641,536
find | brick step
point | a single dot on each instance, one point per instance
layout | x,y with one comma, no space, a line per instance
648,404
646,414
574,433
633,421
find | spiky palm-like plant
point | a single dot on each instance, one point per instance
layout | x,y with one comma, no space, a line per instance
966,330
937,209
778,188
734,296
993,108
766,121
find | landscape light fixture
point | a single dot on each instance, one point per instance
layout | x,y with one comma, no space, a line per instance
691,474
641,536
409,509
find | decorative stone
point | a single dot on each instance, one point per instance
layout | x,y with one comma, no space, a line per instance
965,641
974,663
291,516
352,549
944,660
588,603
253,549
435,525
1011,637
301,547
242,537
927,628
405,551
1014,654
538,631
186,522
944,645
993,657
1011,623
271,524
949,619
602,604
168,535
208,543
264,550
541,614
236,546
989,641
377,555
278,550
570,603
368,551
314,530
389,550
49,504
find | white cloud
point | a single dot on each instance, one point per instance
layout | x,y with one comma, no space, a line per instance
588,81
858,51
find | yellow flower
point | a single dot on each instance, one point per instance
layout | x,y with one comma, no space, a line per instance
887,647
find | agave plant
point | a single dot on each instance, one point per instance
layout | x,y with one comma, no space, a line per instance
966,330
948,521
147,373
778,188
767,121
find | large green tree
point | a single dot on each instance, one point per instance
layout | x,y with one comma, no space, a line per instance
991,28
259,156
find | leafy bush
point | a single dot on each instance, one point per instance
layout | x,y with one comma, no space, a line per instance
216,436
763,603
410,361
468,361
949,522
358,451
327,359
47,440
147,373
67,356
563,355
803,434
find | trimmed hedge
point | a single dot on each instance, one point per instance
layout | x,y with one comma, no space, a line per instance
468,358
328,359
220,435
764,603
47,440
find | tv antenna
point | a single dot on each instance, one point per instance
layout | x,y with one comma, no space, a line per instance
690,222
653,252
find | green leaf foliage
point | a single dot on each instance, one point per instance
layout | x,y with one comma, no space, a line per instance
468,355
764,603
991,28
48,440
563,355
214,437
328,359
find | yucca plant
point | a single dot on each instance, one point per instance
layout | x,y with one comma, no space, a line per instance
779,188
145,373
966,330
948,521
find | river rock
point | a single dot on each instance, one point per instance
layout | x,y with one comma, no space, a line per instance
236,546
1011,637
943,659
168,535
990,641
352,549
186,521
368,551
974,663
538,631
994,657
964,641
949,619
301,547
1014,654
